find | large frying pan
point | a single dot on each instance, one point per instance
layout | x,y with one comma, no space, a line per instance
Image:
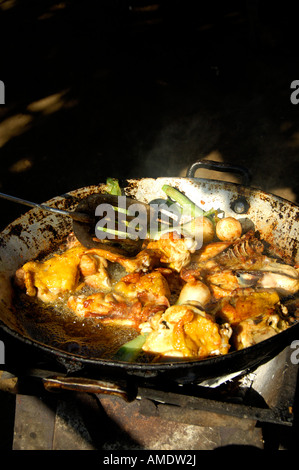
36,232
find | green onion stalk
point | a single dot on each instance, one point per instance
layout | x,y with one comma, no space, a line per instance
182,200
112,187
129,351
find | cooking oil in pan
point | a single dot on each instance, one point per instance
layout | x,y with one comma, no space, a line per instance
55,325
58,327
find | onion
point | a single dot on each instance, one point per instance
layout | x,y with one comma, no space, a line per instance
201,228
208,231
228,229
194,291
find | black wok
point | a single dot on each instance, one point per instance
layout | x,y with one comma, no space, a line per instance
36,233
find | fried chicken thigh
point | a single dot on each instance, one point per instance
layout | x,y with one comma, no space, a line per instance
52,278
185,331
62,274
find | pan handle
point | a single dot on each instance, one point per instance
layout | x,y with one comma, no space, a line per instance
79,384
220,166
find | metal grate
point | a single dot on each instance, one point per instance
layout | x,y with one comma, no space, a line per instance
230,410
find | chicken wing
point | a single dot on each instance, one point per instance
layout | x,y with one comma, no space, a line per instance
241,307
169,250
174,251
144,261
113,309
106,307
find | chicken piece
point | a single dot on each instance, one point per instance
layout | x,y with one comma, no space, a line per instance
174,251
222,283
113,309
89,265
225,279
134,299
105,307
174,281
256,329
145,261
94,271
53,278
209,251
169,250
241,307
150,287
186,332
191,273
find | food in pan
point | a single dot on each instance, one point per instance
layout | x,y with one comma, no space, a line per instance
181,300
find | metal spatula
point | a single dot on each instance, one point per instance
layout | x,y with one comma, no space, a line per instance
85,219
89,234
79,216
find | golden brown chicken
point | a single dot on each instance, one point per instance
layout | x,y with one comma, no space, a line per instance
170,250
108,308
113,309
185,331
144,261
192,304
133,300
62,274
222,283
241,307
94,269
256,329
52,278
174,251
151,286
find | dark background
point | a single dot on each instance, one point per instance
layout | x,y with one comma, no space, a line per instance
144,88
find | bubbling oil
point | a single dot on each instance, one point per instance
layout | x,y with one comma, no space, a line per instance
56,325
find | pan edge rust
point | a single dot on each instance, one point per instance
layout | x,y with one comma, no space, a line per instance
181,370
